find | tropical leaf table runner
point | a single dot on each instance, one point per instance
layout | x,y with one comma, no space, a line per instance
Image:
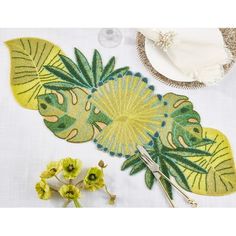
83,98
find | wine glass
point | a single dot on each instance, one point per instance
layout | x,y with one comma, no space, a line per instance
110,37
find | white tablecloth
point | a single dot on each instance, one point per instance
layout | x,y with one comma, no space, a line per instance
26,145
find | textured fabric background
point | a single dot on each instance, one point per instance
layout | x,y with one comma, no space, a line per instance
26,145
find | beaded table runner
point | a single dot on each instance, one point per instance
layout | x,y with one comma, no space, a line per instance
118,109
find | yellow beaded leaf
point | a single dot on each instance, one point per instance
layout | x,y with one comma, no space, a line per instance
221,176
28,58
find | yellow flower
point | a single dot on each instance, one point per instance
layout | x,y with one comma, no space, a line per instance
43,190
133,108
53,169
69,192
71,168
94,179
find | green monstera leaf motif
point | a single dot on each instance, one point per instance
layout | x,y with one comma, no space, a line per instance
182,125
70,116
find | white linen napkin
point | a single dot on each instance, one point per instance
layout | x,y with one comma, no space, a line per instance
198,53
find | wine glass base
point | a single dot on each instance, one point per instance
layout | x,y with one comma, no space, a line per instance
110,37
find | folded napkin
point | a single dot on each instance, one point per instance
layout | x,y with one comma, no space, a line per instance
198,53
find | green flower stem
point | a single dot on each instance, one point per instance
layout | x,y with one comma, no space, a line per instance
66,203
112,197
106,190
79,183
77,204
53,188
59,180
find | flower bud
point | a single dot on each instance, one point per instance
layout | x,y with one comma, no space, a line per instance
102,164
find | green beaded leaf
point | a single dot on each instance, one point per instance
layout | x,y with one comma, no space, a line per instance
177,173
187,152
69,115
131,161
165,183
170,162
63,75
97,67
115,73
185,162
84,67
59,86
182,125
204,142
65,114
109,67
83,74
74,71
137,168
149,179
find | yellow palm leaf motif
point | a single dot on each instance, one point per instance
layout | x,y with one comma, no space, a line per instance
28,58
221,176
133,109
